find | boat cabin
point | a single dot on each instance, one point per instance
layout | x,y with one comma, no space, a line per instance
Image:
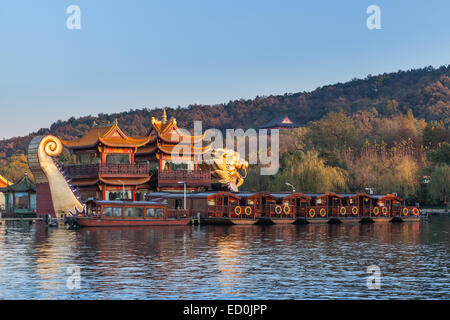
388,205
355,204
222,204
299,203
112,209
219,204
324,204
262,202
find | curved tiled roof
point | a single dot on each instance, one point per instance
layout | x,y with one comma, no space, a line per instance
165,132
169,149
111,136
169,132
283,122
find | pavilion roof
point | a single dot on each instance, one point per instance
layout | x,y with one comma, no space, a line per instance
168,131
283,122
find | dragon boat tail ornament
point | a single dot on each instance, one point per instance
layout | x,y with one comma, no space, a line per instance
41,159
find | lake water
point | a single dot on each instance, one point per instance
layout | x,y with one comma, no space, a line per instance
226,262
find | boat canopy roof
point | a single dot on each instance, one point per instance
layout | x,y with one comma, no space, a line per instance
276,195
387,197
129,203
196,195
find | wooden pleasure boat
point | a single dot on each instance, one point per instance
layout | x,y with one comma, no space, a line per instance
103,213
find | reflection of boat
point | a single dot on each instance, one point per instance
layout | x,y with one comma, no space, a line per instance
127,213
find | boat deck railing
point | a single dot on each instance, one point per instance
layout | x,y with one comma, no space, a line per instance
231,211
177,213
279,211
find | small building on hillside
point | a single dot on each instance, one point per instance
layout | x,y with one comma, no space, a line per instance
280,123
3,184
20,197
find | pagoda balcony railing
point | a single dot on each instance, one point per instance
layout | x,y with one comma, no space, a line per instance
83,171
176,178
124,170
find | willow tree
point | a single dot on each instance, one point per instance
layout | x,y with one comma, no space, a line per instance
306,171
309,173
440,184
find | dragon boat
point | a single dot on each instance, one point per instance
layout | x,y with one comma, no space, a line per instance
59,198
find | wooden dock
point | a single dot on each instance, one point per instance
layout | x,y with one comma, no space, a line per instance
19,217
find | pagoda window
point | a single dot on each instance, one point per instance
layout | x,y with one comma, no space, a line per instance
86,194
178,165
153,165
118,158
87,158
118,195
140,195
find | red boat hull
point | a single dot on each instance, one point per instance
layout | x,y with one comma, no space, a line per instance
97,222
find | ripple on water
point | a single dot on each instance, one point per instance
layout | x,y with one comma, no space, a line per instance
227,262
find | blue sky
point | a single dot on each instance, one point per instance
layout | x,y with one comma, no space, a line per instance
135,54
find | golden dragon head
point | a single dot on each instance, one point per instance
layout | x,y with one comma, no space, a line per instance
227,168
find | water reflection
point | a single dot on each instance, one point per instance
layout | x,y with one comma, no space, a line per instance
237,262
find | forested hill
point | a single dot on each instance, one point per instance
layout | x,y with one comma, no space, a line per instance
425,91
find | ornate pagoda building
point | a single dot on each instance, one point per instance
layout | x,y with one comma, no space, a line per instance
111,165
